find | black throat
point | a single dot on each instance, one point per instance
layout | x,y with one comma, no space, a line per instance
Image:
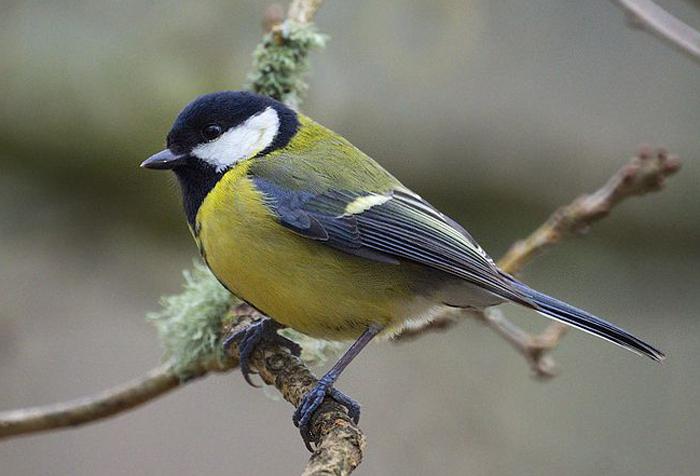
196,181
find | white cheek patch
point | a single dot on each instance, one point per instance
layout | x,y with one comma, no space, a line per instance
240,142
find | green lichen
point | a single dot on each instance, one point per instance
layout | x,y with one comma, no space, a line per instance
189,324
281,61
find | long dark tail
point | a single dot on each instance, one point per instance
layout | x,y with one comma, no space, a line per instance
560,311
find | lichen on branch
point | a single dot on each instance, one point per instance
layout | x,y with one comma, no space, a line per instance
281,61
189,324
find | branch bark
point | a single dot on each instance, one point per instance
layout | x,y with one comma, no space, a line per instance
339,442
102,405
651,17
303,11
644,173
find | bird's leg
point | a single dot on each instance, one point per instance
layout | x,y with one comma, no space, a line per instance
248,338
313,399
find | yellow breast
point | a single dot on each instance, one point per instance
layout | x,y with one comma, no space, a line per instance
300,283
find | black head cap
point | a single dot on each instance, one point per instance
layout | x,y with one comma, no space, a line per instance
225,110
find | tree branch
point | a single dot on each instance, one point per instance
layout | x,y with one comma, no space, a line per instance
534,348
339,443
642,174
111,402
648,15
95,407
303,11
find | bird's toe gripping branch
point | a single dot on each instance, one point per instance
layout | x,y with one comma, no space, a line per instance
313,400
249,338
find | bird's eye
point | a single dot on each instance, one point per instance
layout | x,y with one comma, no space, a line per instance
212,131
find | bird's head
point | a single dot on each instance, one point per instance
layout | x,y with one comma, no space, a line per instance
218,130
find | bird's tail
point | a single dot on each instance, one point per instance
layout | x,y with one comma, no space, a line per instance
560,311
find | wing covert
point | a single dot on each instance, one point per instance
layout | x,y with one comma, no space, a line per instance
390,227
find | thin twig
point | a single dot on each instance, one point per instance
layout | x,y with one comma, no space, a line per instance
95,407
299,11
642,174
534,348
273,16
303,11
105,404
648,15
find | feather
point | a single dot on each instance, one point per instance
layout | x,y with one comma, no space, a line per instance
568,314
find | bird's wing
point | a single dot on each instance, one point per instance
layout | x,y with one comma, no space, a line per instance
387,222
389,227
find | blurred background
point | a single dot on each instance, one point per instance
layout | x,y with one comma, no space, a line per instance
497,112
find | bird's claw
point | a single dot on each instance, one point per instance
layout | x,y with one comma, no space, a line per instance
351,405
249,338
313,399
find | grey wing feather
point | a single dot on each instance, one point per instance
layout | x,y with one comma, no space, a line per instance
403,226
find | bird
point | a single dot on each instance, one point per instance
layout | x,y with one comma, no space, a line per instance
316,235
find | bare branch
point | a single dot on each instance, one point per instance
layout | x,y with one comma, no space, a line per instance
535,348
303,11
299,11
648,15
338,453
273,16
642,174
442,323
96,407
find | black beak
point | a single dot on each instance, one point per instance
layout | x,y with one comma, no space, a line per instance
163,160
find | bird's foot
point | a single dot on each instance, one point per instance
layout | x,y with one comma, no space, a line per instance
249,338
313,399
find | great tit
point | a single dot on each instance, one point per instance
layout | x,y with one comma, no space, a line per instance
298,222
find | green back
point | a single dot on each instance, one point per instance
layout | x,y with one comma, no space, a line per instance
317,160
